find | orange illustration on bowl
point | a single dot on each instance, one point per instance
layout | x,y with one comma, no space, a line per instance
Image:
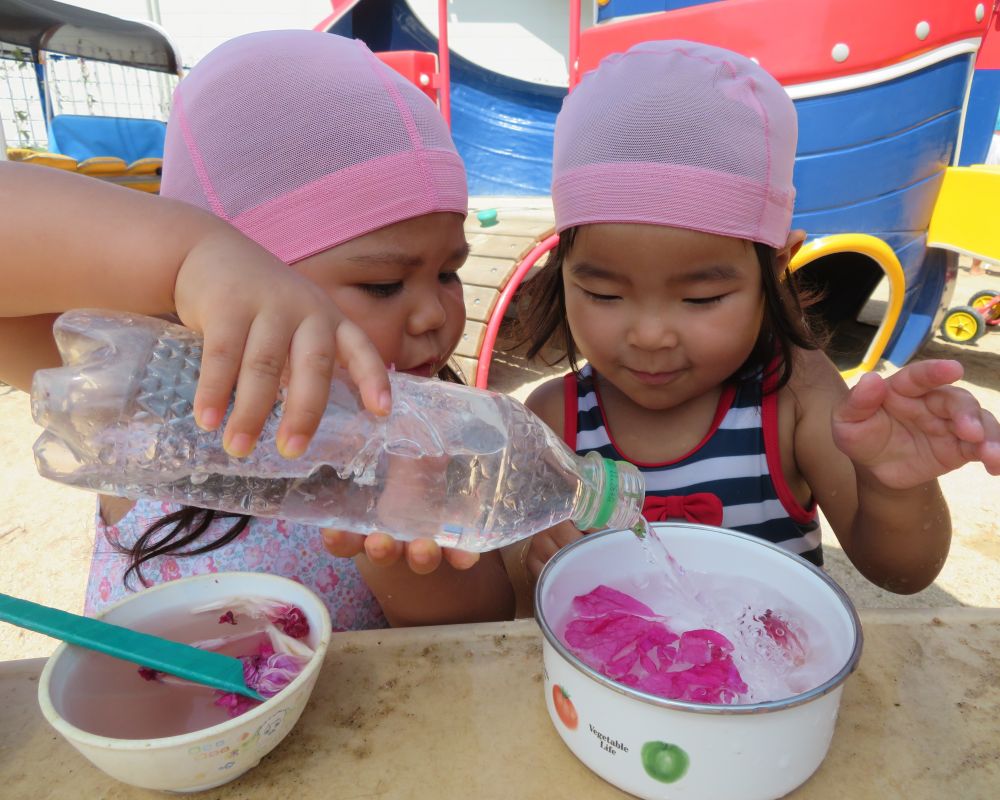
564,707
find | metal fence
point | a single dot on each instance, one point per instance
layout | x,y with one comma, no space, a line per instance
74,86
20,105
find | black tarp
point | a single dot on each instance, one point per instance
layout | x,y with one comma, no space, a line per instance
60,28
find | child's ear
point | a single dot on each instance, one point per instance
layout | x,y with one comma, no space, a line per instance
792,244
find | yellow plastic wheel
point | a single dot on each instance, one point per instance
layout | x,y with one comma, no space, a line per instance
980,300
962,325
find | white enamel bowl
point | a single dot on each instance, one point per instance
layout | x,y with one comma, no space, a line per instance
212,756
659,749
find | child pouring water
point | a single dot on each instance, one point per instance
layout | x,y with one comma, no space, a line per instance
672,187
332,163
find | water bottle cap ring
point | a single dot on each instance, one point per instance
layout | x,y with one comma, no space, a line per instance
609,497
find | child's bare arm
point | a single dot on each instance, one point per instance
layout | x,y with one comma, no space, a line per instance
26,344
72,241
872,457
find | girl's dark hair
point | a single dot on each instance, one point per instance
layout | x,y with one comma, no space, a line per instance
176,533
784,327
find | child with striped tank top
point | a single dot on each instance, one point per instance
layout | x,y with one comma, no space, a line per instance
672,187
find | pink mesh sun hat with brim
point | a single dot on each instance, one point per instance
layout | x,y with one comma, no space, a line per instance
304,140
679,134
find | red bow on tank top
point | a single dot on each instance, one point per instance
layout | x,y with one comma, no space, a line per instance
702,507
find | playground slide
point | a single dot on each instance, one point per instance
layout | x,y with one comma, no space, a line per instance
508,77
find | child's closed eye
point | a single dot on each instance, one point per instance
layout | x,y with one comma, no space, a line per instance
381,289
704,301
450,277
599,298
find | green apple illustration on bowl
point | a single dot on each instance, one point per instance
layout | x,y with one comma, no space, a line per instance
664,762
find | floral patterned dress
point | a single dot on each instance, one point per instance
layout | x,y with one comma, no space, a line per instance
273,546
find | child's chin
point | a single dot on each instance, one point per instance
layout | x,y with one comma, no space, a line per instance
423,371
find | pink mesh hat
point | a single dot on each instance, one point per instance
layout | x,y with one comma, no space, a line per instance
303,140
680,134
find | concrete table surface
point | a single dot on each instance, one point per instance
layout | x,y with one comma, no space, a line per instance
458,712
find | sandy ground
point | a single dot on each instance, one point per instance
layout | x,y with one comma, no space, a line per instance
46,530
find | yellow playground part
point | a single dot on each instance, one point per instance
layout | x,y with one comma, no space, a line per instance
102,166
962,325
965,215
883,255
142,174
54,160
19,153
145,166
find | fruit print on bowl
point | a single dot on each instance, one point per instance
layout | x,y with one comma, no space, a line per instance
564,707
664,762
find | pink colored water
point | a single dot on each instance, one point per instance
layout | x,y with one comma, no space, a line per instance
697,637
109,697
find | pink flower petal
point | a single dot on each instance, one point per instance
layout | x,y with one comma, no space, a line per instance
292,620
624,640
235,704
791,640
604,599
269,672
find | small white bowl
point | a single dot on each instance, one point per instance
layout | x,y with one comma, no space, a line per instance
656,748
212,756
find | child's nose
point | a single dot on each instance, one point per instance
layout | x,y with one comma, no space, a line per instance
652,331
428,314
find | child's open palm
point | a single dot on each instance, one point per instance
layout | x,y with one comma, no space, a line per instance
915,426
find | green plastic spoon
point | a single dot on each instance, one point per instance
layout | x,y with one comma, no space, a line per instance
182,660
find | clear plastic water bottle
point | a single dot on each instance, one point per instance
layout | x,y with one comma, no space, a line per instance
471,469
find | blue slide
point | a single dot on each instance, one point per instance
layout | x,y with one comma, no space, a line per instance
502,126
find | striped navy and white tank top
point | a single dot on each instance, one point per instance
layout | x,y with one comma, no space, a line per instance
738,462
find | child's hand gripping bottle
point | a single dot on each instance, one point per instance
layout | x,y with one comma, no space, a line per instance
470,469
